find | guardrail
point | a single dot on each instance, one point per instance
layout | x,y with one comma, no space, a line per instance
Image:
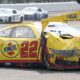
57,6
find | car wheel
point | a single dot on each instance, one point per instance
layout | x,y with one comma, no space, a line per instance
8,20
21,19
35,17
1,64
46,63
46,16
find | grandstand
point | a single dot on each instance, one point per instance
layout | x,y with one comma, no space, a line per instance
31,1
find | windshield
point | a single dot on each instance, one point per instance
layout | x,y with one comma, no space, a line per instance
18,32
62,28
69,29
30,9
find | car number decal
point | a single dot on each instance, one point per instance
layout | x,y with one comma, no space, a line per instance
29,49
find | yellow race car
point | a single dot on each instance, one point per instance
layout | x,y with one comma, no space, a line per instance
63,46
28,43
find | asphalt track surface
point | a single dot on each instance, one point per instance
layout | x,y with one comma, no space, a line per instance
39,72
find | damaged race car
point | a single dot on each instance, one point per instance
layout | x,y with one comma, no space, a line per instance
10,15
29,43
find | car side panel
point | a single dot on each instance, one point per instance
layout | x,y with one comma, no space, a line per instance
28,50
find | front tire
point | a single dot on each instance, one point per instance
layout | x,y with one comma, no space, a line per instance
46,16
21,19
35,17
8,20
46,63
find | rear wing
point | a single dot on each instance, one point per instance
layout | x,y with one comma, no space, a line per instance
73,16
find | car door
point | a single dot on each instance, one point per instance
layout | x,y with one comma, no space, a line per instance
20,43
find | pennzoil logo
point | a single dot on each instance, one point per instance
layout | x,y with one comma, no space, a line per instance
10,49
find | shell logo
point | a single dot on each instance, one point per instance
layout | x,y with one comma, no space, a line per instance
10,49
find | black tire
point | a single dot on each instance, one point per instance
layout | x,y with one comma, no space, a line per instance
21,20
35,17
46,16
44,52
9,20
46,63
1,64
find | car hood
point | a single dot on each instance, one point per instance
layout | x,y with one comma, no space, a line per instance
58,43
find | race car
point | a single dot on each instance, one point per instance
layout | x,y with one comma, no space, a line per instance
34,13
20,44
27,43
10,15
62,45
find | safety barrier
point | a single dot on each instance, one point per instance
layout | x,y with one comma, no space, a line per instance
51,7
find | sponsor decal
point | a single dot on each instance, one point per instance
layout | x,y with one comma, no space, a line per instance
10,49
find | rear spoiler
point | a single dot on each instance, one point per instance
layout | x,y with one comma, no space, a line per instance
73,16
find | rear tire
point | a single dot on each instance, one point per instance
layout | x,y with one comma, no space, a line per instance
46,16
35,17
1,64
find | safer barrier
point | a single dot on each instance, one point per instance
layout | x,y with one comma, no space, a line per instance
51,7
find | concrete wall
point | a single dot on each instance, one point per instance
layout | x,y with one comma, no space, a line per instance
57,6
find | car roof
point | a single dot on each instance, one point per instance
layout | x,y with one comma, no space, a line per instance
33,25
30,8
